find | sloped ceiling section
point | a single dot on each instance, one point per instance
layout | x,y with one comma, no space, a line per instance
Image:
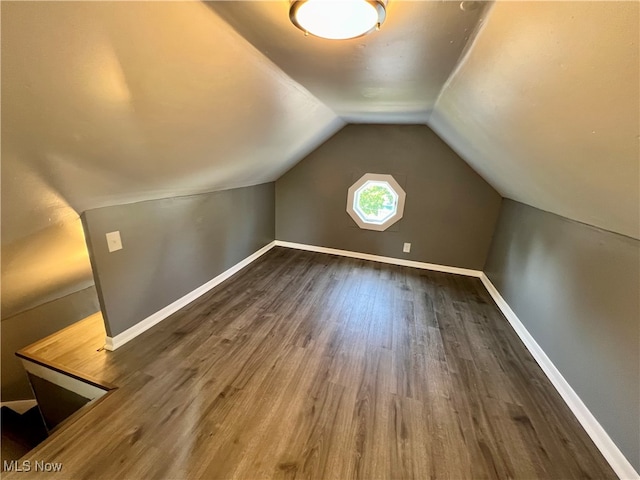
546,107
392,76
107,103
111,102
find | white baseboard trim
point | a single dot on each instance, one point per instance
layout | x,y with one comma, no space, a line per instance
376,258
20,406
111,343
605,444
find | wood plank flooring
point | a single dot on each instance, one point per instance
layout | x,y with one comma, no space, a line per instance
312,366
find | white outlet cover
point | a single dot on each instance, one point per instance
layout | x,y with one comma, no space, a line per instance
114,243
406,248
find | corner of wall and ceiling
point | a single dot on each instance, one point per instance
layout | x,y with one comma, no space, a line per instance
471,41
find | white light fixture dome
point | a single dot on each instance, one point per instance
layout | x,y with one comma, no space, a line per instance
337,19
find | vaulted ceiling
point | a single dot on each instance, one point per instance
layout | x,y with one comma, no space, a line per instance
114,102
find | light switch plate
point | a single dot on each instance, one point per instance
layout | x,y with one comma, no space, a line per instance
114,242
406,248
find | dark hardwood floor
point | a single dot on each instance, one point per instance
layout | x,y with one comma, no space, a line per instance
308,365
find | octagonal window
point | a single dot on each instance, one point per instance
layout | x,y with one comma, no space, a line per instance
375,201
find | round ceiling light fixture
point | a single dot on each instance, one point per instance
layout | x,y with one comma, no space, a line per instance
337,19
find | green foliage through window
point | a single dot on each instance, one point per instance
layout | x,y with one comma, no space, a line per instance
375,198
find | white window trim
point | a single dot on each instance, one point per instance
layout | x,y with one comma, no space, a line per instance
377,177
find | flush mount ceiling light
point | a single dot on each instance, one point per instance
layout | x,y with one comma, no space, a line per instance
337,19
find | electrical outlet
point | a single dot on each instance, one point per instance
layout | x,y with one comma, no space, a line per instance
406,248
114,242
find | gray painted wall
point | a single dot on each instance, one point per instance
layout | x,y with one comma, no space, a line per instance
450,210
576,289
32,325
172,246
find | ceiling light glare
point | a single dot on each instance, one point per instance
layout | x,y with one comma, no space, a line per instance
337,19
